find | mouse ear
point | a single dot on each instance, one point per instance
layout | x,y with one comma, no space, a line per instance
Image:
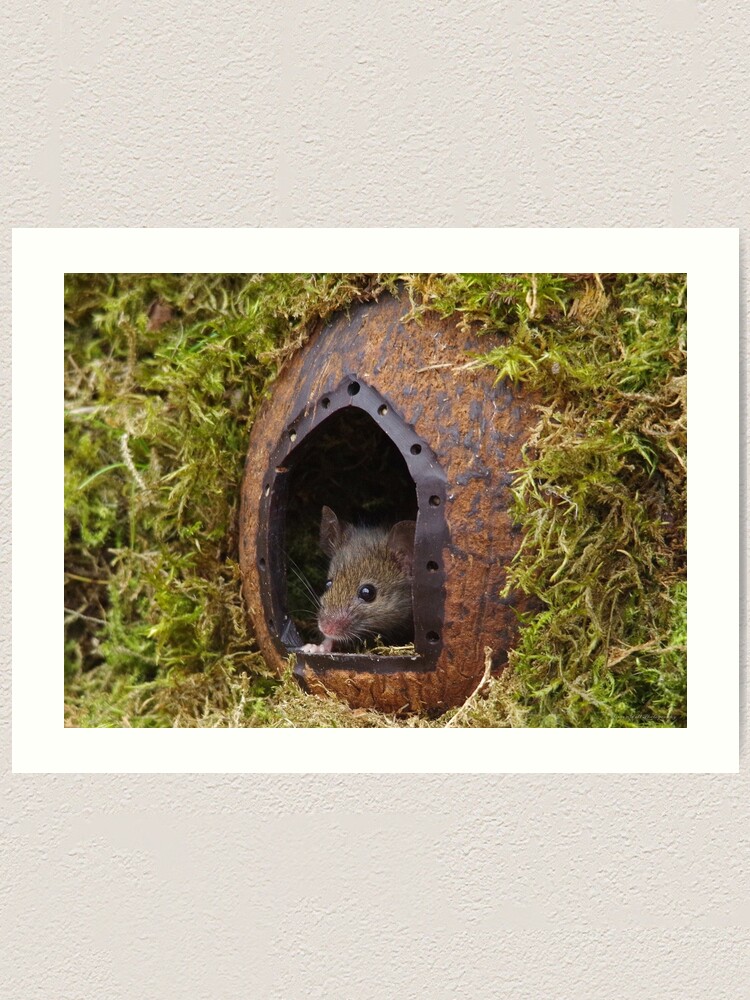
332,532
401,544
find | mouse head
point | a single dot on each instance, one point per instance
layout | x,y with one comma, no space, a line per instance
368,591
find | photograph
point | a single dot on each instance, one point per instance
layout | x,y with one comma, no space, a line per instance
375,500
376,396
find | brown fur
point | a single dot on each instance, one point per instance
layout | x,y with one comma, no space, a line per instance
379,557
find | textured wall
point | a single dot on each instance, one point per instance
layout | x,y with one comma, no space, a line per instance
319,113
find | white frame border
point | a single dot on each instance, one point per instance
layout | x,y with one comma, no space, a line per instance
710,743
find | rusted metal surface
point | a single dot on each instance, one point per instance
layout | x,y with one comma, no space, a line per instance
475,430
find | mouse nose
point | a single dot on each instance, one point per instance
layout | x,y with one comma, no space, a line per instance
334,626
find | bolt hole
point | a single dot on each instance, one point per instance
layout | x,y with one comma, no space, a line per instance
325,402
415,449
433,637
262,563
292,434
382,410
272,626
434,501
353,388
432,566
267,489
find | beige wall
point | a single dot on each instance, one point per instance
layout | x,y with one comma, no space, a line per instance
322,113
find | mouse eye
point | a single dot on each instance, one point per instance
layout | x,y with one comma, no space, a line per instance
329,584
367,593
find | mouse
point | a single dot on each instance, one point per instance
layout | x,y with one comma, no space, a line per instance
368,592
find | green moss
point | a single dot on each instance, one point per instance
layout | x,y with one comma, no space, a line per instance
157,420
602,504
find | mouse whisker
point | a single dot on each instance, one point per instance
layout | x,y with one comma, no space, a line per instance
304,581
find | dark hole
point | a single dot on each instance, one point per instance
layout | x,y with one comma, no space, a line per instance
415,449
325,402
353,388
262,563
434,501
349,464
271,624
432,566
266,489
433,637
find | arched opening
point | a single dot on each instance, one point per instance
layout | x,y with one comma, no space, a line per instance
350,465
349,450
